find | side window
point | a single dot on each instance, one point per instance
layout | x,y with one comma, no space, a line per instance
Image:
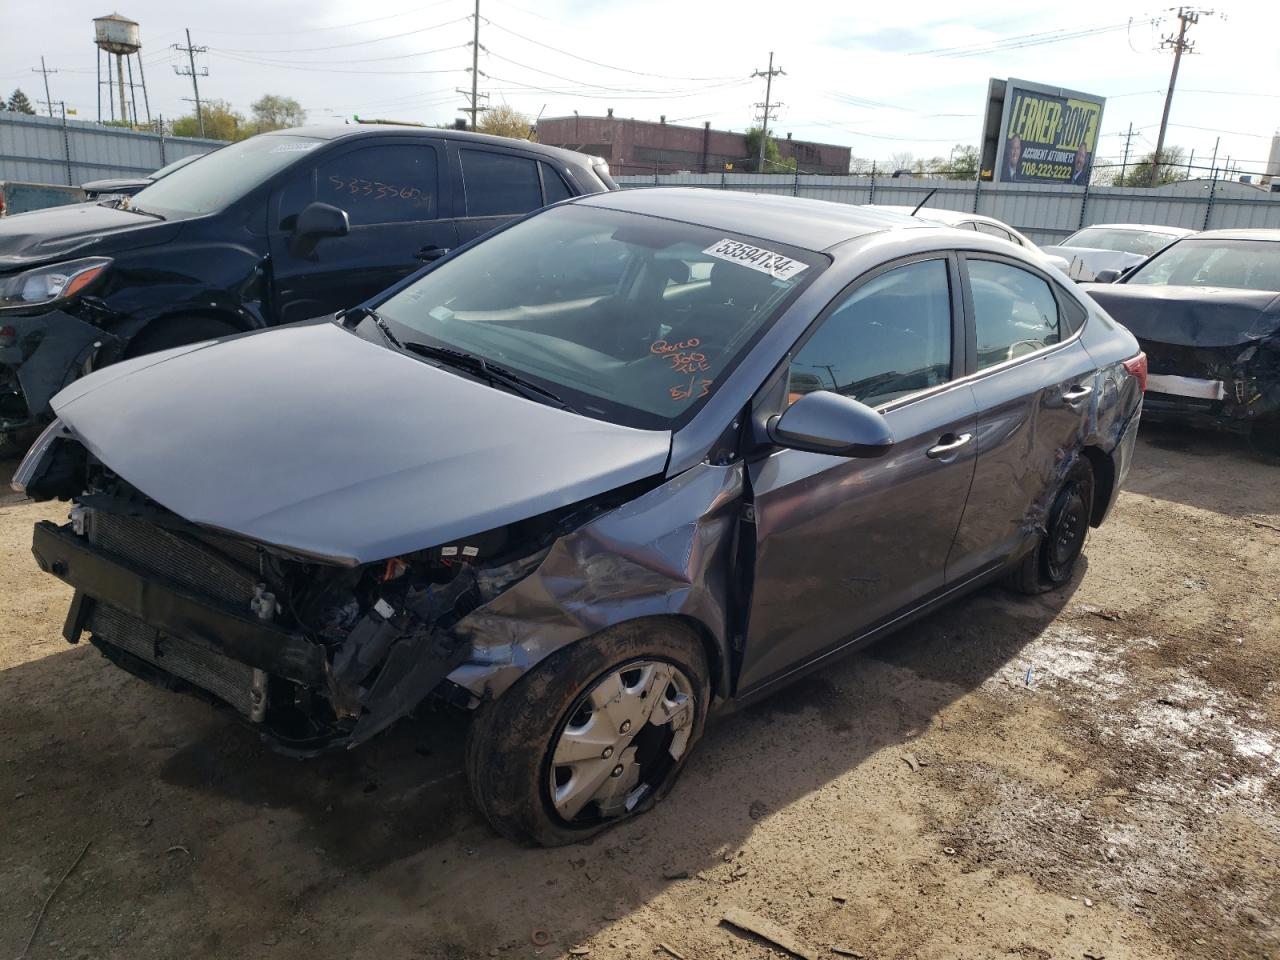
890,337
1073,314
499,183
992,230
391,183
553,184
1014,312
967,225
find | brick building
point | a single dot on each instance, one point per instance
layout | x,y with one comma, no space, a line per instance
641,146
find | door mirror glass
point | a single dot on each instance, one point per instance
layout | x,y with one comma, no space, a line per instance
315,222
1106,276
834,424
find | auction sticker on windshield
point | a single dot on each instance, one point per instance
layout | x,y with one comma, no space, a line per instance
757,258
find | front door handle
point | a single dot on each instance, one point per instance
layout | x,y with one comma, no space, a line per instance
1076,395
427,254
948,446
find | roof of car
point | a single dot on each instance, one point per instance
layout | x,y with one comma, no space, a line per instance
937,214
1136,227
796,221
1241,233
343,131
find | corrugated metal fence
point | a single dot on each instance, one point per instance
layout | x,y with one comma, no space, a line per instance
53,150
1045,213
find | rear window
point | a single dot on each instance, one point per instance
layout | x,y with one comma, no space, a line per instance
1236,264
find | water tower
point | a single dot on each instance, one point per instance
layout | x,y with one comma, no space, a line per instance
117,36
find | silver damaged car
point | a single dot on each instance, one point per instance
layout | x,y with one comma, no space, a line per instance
622,465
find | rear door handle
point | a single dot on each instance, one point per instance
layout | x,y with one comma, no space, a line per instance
948,445
1076,395
428,254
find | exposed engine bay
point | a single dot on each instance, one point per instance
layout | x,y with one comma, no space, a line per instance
343,651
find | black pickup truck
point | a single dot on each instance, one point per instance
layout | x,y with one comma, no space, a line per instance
281,227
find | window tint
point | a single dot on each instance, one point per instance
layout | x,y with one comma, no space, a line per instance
1073,314
1014,312
553,184
993,230
499,183
1145,242
392,183
890,337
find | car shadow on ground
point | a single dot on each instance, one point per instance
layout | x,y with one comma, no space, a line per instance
397,813
1226,478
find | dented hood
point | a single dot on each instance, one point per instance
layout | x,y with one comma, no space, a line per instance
1191,316
314,439
28,239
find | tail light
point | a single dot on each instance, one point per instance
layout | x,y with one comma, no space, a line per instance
1137,367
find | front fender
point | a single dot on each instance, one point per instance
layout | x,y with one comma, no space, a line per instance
667,553
50,352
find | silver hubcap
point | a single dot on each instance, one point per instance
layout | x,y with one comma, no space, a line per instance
622,739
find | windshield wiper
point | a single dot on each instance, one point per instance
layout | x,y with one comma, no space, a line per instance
489,371
366,313
145,213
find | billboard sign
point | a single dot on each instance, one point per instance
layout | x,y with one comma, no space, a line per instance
1045,134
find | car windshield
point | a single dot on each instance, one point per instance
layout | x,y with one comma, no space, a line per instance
1144,242
1239,264
221,177
628,318
169,168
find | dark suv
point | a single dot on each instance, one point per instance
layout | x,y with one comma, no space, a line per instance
277,228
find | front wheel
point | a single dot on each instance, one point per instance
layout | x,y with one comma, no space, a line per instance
1264,437
596,733
1052,562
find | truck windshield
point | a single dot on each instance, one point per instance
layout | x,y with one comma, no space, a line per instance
626,317
221,177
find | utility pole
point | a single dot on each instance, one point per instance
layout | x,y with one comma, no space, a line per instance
191,50
1124,164
474,96
1187,16
46,71
1213,164
767,106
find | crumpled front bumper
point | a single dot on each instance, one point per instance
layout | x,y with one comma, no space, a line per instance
48,352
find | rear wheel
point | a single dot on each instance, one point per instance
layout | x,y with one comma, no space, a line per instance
177,332
1052,562
596,733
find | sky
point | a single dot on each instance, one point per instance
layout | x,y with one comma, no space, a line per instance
884,79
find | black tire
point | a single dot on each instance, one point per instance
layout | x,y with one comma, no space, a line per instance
177,332
511,740
1053,561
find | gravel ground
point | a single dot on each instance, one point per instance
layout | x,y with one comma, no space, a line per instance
1093,773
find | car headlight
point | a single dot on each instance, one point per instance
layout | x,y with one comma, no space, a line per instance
54,283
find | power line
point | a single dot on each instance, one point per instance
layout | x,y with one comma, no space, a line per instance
322,69
46,71
599,86
1021,41
766,108
1187,17
597,63
338,26
353,43
191,50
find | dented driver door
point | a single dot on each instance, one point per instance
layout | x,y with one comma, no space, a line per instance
845,545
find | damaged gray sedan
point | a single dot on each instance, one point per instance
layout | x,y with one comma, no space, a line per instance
629,462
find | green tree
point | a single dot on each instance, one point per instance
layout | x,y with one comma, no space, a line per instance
773,162
506,121
220,123
19,103
272,112
963,163
1172,169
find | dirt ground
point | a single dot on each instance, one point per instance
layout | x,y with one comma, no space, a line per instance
1090,774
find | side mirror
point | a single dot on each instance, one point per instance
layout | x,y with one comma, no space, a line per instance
314,223
1107,276
831,423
